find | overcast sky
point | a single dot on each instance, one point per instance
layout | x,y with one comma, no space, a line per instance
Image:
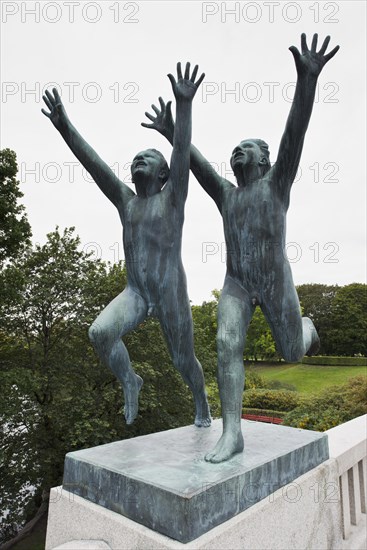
110,60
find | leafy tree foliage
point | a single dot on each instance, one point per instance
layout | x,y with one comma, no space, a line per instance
348,332
260,343
205,333
55,395
15,230
339,315
48,373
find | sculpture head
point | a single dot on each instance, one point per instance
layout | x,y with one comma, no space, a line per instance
149,171
251,152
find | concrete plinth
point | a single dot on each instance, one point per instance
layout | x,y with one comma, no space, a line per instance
304,514
163,482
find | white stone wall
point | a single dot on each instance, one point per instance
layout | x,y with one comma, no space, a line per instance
348,447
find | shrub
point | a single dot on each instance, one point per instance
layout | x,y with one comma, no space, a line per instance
253,379
272,400
335,361
333,406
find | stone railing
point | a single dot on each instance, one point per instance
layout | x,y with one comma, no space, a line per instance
347,445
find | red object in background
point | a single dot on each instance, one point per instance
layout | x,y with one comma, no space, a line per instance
259,418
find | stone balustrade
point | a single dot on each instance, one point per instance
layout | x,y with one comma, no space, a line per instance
347,445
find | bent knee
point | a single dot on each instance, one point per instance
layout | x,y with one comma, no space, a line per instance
98,336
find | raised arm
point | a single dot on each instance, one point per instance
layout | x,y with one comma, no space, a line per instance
309,65
204,172
102,174
184,90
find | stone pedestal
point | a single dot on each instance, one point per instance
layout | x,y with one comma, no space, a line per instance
163,482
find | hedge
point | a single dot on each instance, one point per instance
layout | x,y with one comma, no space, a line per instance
335,361
275,400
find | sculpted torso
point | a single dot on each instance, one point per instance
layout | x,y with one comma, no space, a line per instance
152,235
254,221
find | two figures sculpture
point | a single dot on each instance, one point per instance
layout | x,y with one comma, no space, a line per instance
254,220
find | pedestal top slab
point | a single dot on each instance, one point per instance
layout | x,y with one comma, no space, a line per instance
162,480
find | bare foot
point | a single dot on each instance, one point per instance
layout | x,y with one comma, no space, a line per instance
228,445
203,418
131,394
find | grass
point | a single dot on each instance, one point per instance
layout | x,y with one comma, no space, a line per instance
309,378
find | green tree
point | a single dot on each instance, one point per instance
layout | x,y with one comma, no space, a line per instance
55,395
205,333
48,373
348,331
15,231
260,343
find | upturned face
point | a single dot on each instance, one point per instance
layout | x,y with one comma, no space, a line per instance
247,152
146,164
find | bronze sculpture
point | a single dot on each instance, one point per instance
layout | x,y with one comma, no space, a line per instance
152,221
254,221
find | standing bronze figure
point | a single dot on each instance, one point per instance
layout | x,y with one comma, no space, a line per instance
152,221
254,220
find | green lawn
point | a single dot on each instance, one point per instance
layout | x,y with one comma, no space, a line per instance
309,378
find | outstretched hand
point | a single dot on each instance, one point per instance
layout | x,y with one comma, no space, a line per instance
163,121
57,113
185,87
311,62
